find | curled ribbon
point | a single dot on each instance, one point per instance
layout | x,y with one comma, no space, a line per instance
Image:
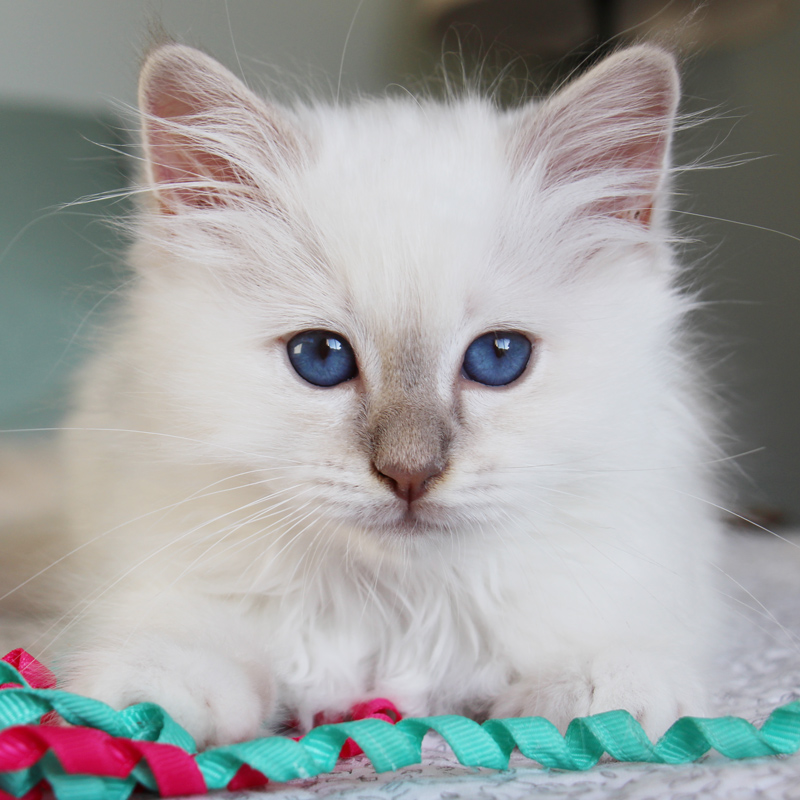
106,754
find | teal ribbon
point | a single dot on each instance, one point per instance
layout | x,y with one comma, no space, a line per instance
387,746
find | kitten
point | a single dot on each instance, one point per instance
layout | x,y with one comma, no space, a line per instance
399,405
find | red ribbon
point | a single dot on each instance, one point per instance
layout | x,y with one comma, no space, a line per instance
85,751
36,673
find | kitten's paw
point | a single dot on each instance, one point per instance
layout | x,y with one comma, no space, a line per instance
212,696
654,691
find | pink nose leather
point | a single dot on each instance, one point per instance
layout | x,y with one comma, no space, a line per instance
409,486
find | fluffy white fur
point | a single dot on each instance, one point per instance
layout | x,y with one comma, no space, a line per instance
244,561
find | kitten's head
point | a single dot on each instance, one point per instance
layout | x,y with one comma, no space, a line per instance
413,317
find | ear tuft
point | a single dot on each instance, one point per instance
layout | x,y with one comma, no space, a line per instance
616,121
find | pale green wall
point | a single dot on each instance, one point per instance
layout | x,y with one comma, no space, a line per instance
49,255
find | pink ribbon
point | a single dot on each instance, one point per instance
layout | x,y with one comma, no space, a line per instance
85,751
36,673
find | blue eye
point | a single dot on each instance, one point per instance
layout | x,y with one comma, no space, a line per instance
498,358
323,358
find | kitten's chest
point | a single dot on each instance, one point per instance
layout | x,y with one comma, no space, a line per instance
423,645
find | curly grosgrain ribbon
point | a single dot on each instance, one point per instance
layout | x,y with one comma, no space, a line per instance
109,752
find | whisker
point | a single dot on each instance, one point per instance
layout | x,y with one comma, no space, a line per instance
198,495
589,472
172,436
101,592
763,228
790,636
740,517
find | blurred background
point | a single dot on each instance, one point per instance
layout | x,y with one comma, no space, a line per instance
67,71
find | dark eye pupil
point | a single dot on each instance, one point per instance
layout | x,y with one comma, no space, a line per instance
326,345
497,359
323,358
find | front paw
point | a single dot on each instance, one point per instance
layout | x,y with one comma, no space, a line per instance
215,698
655,691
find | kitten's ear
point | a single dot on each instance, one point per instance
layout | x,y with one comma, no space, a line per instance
615,122
207,138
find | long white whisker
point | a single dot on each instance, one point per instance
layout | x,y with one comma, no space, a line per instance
764,610
344,49
740,517
198,495
172,542
173,436
738,222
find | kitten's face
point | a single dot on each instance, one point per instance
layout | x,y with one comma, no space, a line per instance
477,322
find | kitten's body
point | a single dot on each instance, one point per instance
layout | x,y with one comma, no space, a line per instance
255,562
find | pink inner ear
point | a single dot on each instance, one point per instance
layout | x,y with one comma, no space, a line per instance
175,159
164,99
641,215
632,145
616,120
643,154
184,96
208,139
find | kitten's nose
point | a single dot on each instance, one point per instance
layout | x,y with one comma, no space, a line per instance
409,486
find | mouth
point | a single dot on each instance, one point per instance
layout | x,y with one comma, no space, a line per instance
414,519
412,522
392,517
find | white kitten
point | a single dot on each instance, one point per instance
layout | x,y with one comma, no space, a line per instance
399,406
